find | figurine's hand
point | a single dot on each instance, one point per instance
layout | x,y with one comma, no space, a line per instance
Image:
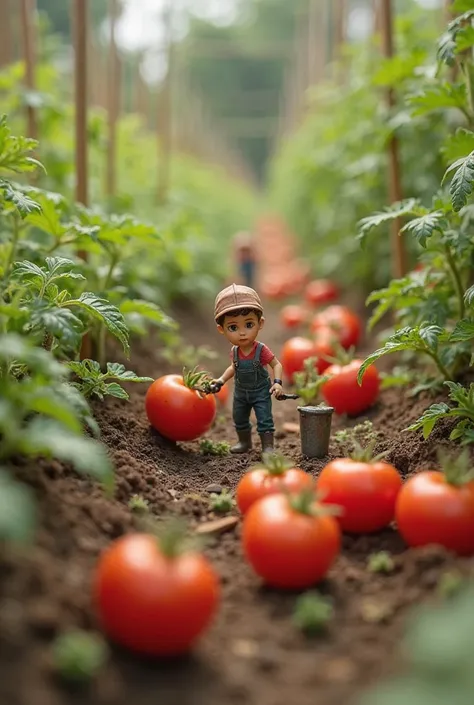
216,384
276,389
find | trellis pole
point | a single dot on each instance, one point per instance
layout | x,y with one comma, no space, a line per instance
165,117
395,187
113,103
27,18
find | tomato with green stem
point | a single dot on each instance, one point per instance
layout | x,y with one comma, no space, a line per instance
276,474
153,596
437,507
345,324
364,486
178,408
343,391
291,540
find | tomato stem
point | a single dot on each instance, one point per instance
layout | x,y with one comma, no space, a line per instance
308,502
275,464
172,538
457,470
366,455
196,379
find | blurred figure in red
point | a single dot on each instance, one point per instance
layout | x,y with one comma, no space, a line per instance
246,258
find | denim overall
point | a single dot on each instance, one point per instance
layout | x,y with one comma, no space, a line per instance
252,391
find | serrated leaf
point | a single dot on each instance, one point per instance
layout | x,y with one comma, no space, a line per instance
429,418
115,390
89,457
430,336
461,182
424,226
469,296
61,323
48,219
85,369
15,347
458,145
438,97
150,311
447,49
105,312
394,211
116,369
17,511
23,203
463,330
27,271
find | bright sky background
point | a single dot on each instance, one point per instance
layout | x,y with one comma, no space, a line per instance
141,26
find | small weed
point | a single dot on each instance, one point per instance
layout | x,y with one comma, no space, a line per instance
312,613
361,434
222,503
208,447
450,583
78,656
138,504
381,562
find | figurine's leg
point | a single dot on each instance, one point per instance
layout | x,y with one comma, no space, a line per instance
265,425
241,414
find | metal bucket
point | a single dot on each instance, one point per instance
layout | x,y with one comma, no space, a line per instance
315,430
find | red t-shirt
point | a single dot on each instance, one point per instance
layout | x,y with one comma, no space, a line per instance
266,355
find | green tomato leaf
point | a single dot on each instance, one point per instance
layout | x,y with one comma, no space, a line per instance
424,226
48,218
397,210
61,323
105,312
85,369
23,203
28,271
118,371
149,311
439,97
115,390
89,457
429,418
469,296
17,510
464,330
458,144
461,183
430,335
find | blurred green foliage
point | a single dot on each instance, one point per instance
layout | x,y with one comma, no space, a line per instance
334,170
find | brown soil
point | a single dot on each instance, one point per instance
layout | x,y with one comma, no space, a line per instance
253,653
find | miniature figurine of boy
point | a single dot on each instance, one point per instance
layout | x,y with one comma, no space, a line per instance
238,313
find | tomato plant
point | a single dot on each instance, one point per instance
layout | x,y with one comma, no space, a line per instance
290,541
436,507
345,324
321,291
343,392
292,316
177,407
276,474
298,349
152,598
366,488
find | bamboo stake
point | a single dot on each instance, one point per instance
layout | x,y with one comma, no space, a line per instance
395,188
6,49
27,17
165,110
112,104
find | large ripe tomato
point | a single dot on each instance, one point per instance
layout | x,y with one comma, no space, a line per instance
293,316
273,476
177,411
342,391
296,350
345,323
288,547
366,490
321,291
150,602
430,510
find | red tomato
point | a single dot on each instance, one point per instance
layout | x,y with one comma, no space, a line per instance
178,412
152,603
321,291
272,288
223,394
288,548
430,510
292,316
296,350
263,481
343,392
345,323
367,492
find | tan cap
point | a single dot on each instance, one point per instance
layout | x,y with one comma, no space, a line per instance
234,297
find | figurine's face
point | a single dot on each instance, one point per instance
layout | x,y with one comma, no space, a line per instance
241,330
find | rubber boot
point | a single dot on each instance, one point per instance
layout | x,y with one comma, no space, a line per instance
245,442
267,441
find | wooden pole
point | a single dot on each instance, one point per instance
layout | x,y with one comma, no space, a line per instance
6,49
395,188
165,109
27,17
112,104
